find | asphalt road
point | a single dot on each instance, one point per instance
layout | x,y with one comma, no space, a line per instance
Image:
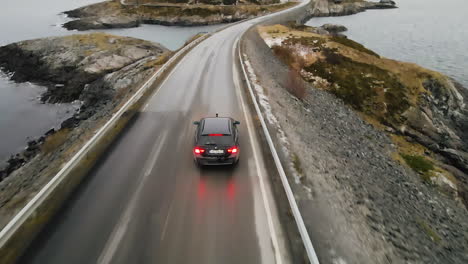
146,201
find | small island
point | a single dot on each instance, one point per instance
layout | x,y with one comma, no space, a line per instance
127,14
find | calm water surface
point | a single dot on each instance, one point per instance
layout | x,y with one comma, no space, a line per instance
431,33
22,116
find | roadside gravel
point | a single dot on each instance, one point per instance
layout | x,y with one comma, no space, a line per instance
359,205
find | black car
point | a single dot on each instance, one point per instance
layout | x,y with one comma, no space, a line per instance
216,141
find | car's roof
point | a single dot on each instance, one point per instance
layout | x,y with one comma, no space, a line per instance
216,125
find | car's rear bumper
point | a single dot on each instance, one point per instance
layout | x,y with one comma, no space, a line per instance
216,160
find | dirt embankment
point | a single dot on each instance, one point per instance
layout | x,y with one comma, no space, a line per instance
112,14
99,70
370,189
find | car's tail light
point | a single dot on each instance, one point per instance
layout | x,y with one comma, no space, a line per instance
233,150
216,135
198,150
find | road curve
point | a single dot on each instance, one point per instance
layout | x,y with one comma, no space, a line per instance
146,202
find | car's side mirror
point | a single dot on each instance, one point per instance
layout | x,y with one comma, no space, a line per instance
196,123
236,123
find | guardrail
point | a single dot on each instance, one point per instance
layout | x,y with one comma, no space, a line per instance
311,254
27,223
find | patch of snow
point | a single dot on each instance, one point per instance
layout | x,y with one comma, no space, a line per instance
273,41
339,260
302,50
336,259
271,118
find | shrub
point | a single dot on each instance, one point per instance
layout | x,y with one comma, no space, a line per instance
418,163
295,85
284,53
288,57
332,57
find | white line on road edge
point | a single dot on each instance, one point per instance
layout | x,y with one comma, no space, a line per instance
292,201
274,237
21,217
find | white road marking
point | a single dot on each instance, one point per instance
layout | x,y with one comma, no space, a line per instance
119,231
266,203
155,154
167,221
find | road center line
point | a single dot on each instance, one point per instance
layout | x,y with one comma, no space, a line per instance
167,221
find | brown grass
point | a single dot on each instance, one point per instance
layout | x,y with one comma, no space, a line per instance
54,141
284,53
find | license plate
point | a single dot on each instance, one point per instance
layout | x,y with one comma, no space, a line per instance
216,151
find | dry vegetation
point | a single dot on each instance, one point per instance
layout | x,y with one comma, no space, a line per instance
378,88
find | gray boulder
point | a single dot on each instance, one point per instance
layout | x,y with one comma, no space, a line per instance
334,28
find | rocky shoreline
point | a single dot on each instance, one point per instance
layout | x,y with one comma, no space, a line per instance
112,14
368,192
99,70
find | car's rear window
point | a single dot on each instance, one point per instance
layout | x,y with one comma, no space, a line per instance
216,140
218,125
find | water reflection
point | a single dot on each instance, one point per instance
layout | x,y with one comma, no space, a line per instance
22,115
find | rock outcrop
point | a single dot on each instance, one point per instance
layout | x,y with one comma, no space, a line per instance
72,61
344,7
96,69
333,28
